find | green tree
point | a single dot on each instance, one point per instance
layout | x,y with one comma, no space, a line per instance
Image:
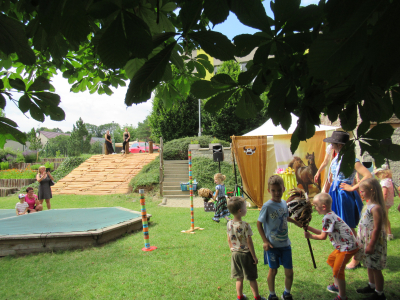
35,142
94,130
226,121
143,131
176,122
60,143
341,55
118,133
79,141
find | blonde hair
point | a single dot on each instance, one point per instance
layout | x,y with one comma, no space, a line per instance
220,177
275,180
375,189
41,167
324,199
234,204
382,174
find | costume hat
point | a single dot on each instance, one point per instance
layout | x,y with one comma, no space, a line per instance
338,137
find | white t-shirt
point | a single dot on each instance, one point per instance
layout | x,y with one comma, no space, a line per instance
387,183
238,233
340,234
21,206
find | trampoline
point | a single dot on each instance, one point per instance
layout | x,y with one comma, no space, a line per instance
63,229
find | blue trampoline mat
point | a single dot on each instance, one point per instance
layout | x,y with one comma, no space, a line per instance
62,220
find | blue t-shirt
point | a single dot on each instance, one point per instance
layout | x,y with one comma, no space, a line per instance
220,188
274,216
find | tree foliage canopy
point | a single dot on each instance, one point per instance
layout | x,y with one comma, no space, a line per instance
342,55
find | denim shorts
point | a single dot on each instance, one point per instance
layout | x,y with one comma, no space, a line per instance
281,256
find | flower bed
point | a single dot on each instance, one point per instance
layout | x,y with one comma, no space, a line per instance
18,174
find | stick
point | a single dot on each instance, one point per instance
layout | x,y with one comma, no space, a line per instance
311,252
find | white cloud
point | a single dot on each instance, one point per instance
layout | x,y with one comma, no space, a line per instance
94,109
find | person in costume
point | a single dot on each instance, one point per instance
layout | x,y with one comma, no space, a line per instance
108,143
221,210
45,179
346,202
127,138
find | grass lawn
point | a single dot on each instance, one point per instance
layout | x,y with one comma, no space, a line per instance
185,266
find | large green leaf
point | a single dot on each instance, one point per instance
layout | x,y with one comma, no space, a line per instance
148,77
50,98
217,11
362,128
203,89
177,60
40,84
8,131
348,157
215,44
56,113
13,40
36,113
217,102
249,104
161,38
137,30
190,14
245,43
74,22
132,66
24,103
112,45
223,79
284,11
390,151
17,84
2,101
348,118
251,13
58,47
201,71
206,64
303,19
379,132
102,9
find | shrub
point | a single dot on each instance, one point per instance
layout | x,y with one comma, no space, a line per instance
178,149
148,178
20,157
204,169
30,156
4,165
17,174
47,165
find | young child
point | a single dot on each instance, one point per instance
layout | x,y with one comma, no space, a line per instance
243,260
21,208
372,238
221,210
272,226
385,177
341,237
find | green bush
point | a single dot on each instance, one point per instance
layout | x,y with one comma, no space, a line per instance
17,174
178,149
204,169
4,165
148,178
47,165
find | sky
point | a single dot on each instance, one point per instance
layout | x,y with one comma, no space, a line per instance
101,109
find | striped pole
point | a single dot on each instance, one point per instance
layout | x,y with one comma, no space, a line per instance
191,189
145,223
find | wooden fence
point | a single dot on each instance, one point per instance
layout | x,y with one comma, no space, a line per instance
18,183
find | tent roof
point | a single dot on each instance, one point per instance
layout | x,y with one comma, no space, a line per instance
268,128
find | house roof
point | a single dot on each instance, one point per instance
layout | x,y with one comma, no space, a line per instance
51,135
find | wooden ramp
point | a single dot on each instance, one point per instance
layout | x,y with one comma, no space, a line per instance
103,174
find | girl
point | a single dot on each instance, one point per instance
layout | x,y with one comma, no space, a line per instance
221,209
372,237
127,138
44,192
385,177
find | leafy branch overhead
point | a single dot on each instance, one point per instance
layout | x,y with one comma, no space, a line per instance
338,57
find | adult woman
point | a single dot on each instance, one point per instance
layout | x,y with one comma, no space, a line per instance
33,201
109,146
127,138
346,202
44,178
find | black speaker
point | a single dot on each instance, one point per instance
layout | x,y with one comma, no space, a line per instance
218,153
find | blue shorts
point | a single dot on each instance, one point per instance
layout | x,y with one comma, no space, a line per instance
279,256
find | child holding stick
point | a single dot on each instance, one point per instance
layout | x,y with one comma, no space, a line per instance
372,237
221,210
243,260
341,237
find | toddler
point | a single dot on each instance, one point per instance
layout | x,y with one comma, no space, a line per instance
221,210
385,177
21,208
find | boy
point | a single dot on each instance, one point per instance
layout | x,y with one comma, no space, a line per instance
272,226
21,208
243,260
341,237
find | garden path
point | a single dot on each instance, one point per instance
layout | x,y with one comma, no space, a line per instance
103,174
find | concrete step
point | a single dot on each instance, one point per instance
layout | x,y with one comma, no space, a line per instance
180,170
171,162
172,175
176,192
177,197
172,187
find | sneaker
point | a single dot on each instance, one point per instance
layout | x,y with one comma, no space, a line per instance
273,297
375,296
244,297
333,289
339,298
286,296
366,290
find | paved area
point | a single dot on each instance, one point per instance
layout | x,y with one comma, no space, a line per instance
197,202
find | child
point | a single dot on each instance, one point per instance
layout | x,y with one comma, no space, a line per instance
372,237
221,210
272,226
341,237
385,177
21,208
243,260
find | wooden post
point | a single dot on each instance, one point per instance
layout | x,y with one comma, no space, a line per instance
150,146
105,149
161,150
145,224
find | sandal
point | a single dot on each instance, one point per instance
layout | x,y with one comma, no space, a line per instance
356,267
